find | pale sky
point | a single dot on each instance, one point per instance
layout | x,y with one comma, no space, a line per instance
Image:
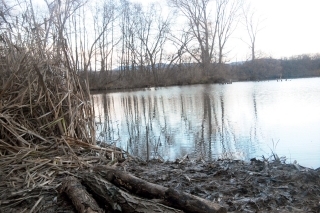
290,27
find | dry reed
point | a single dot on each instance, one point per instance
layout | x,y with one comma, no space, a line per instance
47,129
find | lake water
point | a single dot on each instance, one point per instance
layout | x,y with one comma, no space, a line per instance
241,120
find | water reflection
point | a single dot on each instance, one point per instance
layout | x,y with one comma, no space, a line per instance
237,120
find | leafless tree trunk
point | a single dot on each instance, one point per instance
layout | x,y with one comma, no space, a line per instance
180,42
253,26
105,15
201,28
208,33
153,34
227,14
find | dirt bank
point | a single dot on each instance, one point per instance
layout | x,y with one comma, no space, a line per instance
256,186
237,186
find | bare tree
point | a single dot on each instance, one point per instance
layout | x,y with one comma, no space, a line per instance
153,33
253,26
201,28
227,13
179,43
124,20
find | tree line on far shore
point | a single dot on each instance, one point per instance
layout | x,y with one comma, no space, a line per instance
121,44
302,66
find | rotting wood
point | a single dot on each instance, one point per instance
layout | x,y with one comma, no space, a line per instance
191,203
119,200
130,182
173,198
80,198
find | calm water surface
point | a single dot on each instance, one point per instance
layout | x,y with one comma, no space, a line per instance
240,120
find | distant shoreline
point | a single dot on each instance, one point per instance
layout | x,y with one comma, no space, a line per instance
189,74
98,91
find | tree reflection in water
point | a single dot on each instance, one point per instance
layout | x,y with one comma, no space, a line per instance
203,121
166,125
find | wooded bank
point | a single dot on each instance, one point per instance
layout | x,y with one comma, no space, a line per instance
48,151
303,66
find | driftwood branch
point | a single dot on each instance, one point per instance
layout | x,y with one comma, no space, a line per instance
80,198
133,184
121,201
190,203
172,198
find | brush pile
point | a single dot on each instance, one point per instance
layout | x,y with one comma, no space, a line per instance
46,118
47,129
46,126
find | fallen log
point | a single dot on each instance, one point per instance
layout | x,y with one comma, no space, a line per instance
133,184
190,203
173,198
80,198
121,201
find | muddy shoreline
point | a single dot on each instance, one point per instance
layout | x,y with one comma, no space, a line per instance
255,186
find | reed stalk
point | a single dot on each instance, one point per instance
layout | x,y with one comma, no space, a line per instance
47,126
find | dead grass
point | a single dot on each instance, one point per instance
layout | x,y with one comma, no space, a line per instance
47,129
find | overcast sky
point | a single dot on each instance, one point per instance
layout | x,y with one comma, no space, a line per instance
290,27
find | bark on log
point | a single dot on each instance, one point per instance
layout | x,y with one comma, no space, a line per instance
80,198
133,184
190,203
119,200
173,198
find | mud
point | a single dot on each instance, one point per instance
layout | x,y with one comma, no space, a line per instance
255,186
